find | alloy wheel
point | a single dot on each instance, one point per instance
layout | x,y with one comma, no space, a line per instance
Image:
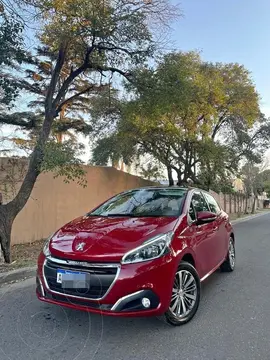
184,294
232,254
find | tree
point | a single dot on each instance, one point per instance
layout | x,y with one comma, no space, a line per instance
241,144
88,40
74,111
185,108
216,167
11,55
265,176
266,186
252,183
151,170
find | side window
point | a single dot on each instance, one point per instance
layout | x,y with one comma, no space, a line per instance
213,205
199,203
192,213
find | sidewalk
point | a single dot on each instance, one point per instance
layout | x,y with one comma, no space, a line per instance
249,217
14,276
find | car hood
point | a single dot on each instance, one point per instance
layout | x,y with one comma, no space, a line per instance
106,238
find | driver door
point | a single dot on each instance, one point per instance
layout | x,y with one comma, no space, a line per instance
204,242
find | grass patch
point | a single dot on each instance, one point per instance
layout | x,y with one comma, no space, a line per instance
239,216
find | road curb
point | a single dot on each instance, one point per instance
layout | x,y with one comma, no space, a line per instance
17,275
247,218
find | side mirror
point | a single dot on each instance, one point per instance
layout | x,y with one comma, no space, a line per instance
204,217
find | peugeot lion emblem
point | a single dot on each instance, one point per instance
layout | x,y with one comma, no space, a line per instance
80,246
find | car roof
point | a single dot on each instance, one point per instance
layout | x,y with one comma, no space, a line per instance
166,187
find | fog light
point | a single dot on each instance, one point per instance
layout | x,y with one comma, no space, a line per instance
146,302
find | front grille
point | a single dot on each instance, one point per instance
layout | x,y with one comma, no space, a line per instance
101,278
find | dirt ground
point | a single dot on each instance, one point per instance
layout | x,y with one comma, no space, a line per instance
23,255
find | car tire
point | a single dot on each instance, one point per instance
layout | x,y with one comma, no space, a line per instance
229,263
185,295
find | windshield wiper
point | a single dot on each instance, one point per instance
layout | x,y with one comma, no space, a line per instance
134,215
95,215
126,215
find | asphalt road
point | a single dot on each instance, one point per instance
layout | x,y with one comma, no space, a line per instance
233,320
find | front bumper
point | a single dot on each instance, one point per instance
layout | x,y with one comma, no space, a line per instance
133,282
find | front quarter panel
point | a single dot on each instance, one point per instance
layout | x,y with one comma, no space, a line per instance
228,231
184,242
228,225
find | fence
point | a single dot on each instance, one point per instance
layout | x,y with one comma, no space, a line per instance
236,203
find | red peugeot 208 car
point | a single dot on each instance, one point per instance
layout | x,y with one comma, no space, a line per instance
144,252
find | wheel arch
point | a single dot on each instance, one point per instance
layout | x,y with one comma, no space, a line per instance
188,257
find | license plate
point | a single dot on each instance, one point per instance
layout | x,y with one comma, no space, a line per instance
73,279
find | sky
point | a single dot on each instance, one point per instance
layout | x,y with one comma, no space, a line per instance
229,31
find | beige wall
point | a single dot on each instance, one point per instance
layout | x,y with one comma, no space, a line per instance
53,203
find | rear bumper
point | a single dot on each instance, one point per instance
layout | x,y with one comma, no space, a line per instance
152,280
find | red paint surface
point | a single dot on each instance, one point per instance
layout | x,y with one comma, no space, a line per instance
108,239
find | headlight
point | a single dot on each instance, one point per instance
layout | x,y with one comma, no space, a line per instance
46,250
152,249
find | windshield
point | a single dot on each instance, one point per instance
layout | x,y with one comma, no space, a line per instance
144,202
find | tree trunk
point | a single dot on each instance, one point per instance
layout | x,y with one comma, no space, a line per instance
9,211
254,205
6,220
59,136
246,204
180,181
170,177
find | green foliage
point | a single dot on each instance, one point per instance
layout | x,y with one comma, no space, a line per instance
82,45
185,113
250,143
152,171
266,186
194,98
112,148
88,42
216,167
116,33
265,178
11,54
62,159
252,178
